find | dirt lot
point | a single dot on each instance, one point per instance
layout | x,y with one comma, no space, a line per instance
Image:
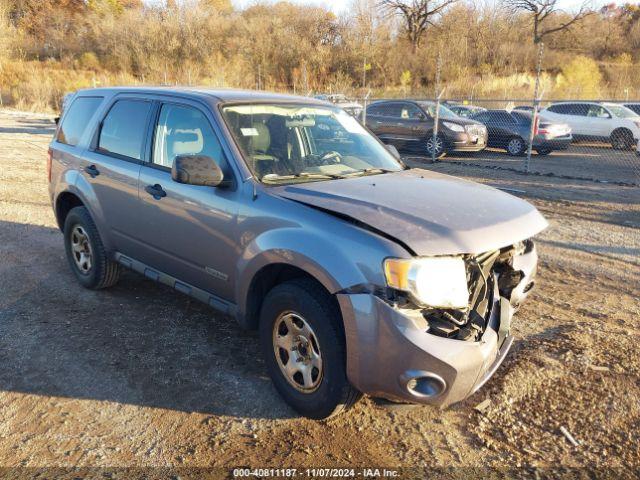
141,376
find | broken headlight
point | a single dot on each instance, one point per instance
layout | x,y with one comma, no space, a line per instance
439,282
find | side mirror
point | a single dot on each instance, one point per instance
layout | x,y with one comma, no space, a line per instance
197,170
394,151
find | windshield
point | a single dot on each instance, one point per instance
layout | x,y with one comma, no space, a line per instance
430,108
285,143
621,112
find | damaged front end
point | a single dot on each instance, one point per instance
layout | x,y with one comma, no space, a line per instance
496,279
421,354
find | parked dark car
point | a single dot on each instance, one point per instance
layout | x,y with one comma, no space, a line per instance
511,130
409,125
466,111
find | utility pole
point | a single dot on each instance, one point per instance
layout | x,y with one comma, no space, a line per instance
536,107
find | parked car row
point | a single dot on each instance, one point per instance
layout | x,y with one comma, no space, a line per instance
411,126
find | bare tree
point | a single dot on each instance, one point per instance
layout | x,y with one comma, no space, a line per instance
417,15
542,11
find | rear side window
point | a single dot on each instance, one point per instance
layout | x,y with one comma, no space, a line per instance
375,110
123,129
562,109
76,120
385,110
580,109
481,117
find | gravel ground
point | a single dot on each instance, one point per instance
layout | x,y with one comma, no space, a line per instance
141,376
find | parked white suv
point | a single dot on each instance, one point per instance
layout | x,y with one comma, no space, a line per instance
598,121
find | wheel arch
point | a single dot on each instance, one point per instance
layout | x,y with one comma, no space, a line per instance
66,201
73,197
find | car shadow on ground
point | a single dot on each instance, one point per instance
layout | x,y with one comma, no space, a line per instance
138,343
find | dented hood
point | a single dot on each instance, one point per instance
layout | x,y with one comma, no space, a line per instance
428,212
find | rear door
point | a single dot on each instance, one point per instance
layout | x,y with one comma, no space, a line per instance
600,121
188,231
381,119
112,164
500,126
576,117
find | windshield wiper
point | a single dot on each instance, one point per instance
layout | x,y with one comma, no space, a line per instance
274,177
368,171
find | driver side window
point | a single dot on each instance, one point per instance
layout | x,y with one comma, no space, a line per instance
183,130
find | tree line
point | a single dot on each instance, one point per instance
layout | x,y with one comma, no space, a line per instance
391,47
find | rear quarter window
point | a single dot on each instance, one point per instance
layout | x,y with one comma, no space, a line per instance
76,120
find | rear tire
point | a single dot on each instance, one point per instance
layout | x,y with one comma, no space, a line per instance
86,254
621,139
515,147
300,323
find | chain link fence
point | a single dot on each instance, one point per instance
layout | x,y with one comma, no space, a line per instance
595,140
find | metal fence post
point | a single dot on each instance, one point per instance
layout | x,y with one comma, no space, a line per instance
534,114
437,116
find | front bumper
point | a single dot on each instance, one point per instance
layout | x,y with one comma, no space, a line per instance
552,143
387,349
465,142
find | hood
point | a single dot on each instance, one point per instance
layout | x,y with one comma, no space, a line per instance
460,120
429,213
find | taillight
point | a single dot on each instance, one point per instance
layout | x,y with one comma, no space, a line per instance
49,160
536,124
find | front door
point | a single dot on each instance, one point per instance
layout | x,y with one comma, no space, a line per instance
189,231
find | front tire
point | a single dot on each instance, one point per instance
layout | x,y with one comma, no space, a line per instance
435,147
86,254
303,343
543,151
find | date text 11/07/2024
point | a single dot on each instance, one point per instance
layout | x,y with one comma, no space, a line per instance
316,472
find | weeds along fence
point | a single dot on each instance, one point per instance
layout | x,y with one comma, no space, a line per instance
595,140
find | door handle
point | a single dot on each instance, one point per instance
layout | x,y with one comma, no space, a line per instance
92,170
155,191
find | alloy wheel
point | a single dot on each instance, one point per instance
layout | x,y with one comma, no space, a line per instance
435,145
515,146
81,249
297,352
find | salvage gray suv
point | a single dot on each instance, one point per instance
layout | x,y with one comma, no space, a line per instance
361,275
